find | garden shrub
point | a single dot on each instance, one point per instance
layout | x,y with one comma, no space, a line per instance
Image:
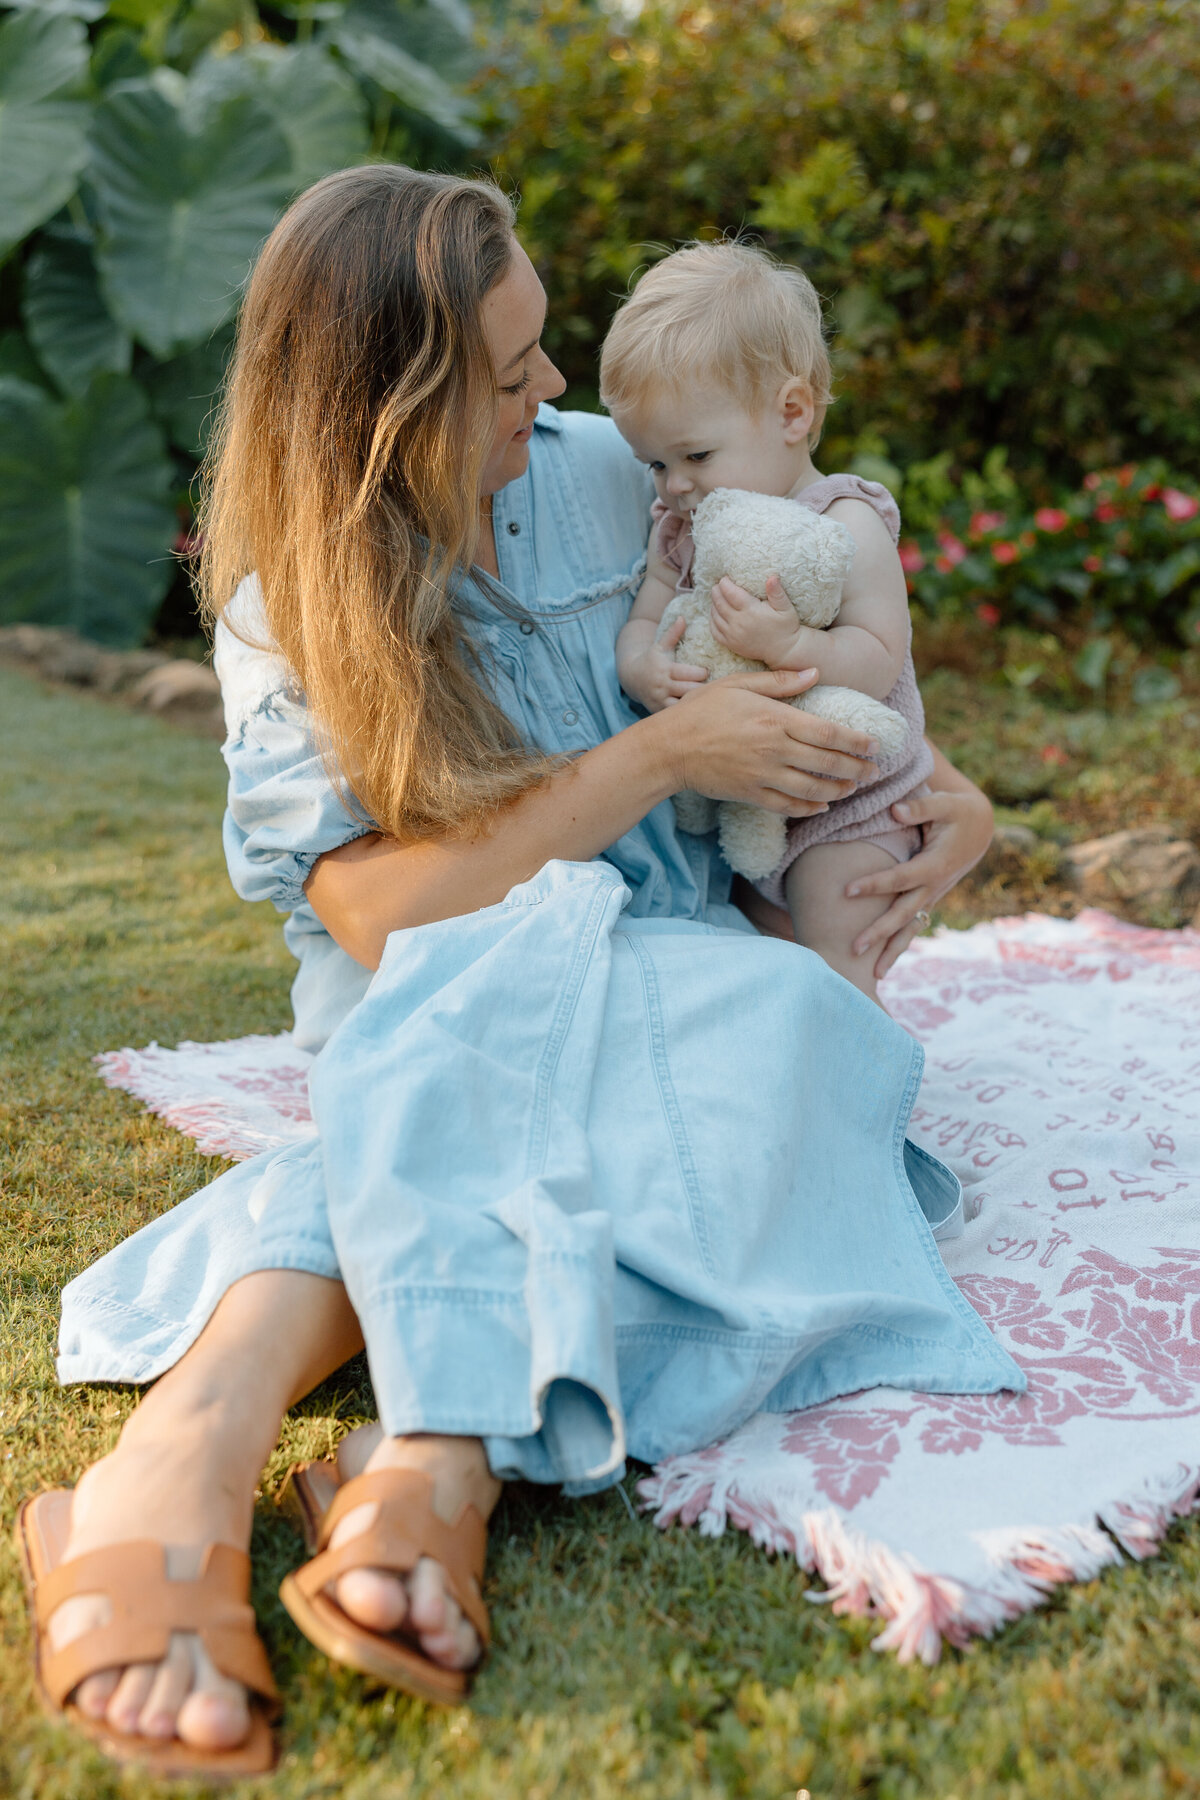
998,200
146,149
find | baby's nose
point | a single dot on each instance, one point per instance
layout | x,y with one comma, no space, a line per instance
678,483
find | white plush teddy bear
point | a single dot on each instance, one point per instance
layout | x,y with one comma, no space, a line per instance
748,537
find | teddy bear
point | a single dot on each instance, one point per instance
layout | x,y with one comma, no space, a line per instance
748,537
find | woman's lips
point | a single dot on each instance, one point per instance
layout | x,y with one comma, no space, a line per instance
523,436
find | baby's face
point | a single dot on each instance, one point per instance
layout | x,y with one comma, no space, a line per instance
695,444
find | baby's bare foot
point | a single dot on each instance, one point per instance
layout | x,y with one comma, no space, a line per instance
421,1603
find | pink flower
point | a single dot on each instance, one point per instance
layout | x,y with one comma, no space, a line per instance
1004,552
1051,518
983,522
1106,512
1092,482
953,549
911,559
1093,564
1179,506
987,614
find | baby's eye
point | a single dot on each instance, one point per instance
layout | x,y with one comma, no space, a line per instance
656,468
699,456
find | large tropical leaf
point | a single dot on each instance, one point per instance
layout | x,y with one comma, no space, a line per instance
65,316
85,520
187,186
74,9
43,131
318,107
387,42
183,391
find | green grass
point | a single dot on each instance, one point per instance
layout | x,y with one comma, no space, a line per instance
628,1664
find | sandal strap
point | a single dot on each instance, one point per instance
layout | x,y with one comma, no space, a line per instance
146,1606
405,1529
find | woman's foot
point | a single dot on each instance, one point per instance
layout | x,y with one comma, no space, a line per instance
419,1604
184,1489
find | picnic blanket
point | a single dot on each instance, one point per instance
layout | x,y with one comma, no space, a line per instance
1062,1085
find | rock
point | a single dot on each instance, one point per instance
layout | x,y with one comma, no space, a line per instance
1006,855
1150,873
181,690
74,661
31,643
120,669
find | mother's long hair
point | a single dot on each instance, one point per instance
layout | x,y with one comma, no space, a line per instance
344,471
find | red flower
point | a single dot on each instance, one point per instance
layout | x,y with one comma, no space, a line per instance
1004,552
1125,475
1093,564
911,559
1051,753
1153,492
987,614
1179,506
953,549
1051,518
1106,512
983,522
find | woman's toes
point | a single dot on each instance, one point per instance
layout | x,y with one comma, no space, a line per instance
168,1690
216,1714
130,1696
94,1693
373,1598
446,1635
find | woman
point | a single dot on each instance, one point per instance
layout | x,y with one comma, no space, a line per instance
600,1170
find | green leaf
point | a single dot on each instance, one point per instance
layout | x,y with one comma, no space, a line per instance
1091,665
72,9
43,133
371,35
1175,570
1154,687
317,106
17,359
86,523
187,187
65,315
183,391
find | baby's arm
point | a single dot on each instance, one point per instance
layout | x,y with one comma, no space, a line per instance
866,645
647,670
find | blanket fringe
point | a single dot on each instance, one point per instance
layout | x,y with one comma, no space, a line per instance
152,1076
866,1578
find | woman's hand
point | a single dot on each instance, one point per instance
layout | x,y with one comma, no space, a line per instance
956,824
737,739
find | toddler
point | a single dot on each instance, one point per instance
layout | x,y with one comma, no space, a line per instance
716,373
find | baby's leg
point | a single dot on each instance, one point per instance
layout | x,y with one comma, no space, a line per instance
822,917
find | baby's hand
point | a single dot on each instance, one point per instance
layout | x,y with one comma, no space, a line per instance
767,630
652,675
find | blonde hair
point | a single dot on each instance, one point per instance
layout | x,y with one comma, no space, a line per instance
344,471
726,313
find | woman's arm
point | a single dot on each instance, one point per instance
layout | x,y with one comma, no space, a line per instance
733,739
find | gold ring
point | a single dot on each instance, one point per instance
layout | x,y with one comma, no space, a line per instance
922,917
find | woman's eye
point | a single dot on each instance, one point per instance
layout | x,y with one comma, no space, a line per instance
520,385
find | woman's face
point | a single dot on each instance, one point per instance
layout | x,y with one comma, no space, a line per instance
513,314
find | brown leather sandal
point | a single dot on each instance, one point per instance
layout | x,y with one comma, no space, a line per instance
405,1529
146,1607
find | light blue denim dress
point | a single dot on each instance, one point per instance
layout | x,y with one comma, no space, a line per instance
603,1171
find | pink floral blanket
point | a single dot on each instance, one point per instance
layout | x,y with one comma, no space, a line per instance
1062,1084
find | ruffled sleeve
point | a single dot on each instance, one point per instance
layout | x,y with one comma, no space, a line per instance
283,811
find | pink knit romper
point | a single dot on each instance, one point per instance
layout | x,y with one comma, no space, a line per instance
864,814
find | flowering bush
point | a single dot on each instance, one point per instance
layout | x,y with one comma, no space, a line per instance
1123,548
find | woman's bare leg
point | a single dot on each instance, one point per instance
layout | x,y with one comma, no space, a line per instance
184,1473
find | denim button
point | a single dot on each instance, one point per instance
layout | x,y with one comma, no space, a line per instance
569,718
528,626
514,530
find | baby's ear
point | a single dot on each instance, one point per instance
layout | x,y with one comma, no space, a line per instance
794,404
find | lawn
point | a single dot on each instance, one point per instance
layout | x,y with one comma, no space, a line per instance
628,1664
